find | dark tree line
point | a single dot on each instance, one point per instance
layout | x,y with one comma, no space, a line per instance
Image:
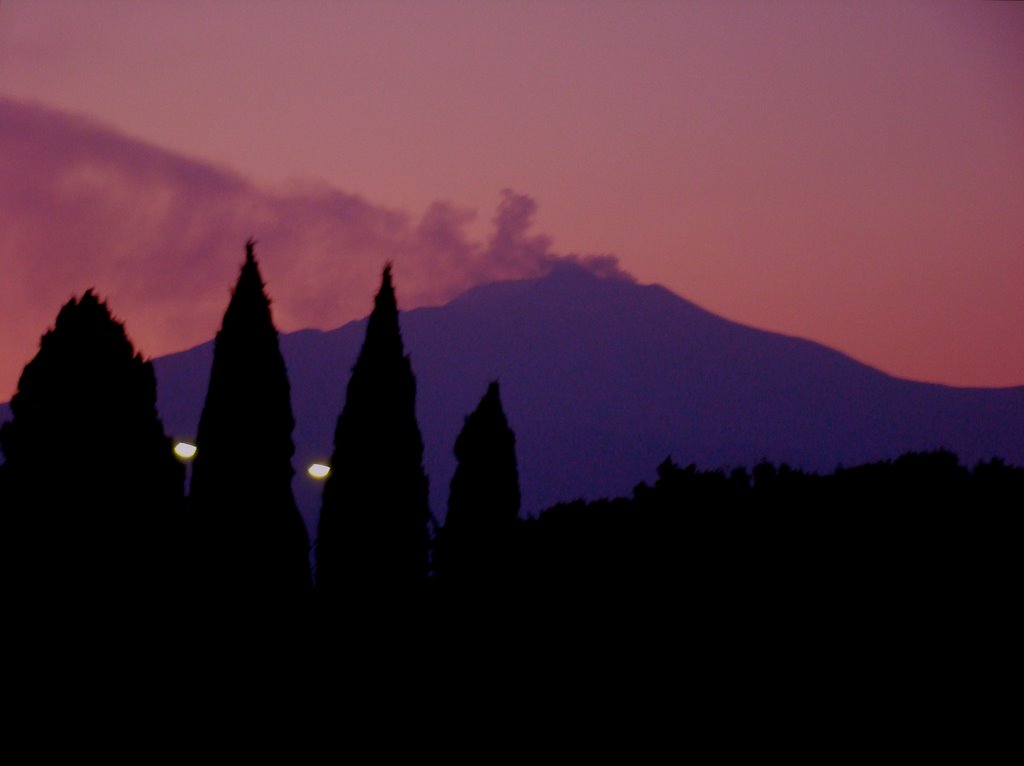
93,504
902,534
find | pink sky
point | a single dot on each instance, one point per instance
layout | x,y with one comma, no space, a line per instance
851,173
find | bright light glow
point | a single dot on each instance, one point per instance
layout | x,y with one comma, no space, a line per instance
319,470
184,450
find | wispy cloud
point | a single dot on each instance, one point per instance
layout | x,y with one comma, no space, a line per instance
160,236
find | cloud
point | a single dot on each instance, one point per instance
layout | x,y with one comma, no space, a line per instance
161,236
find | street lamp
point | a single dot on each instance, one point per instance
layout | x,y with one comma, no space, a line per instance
318,470
184,450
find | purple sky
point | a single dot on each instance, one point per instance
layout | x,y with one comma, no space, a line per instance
847,172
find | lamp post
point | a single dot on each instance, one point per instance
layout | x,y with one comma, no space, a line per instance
185,451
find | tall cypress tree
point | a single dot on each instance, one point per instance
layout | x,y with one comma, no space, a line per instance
91,485
254,545
474,549
373,541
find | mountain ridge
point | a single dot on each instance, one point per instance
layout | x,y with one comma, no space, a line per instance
602,378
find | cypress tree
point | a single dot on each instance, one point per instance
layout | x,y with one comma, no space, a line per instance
373,541
254,544
474,549
91,485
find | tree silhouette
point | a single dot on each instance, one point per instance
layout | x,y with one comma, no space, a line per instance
373,542
474,550
91,484
253,541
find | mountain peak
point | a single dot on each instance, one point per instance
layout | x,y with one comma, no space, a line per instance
568,276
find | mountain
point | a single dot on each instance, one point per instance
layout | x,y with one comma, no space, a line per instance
602,378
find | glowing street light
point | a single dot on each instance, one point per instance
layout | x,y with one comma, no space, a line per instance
184,450
318,470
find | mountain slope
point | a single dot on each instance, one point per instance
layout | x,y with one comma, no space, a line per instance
603,378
